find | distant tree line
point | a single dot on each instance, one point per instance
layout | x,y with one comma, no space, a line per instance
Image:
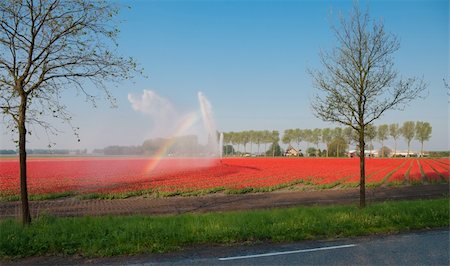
119,150
440,154
267,143
251,142
46,152
8,152
410,130
179,146
336,140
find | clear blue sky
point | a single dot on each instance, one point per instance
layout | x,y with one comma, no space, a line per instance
250,59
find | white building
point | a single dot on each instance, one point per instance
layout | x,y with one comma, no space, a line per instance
368,153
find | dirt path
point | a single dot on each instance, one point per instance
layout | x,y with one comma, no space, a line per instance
218,202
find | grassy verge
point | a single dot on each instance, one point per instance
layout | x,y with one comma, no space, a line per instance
48,196
109,236
150,194
306,185
155,193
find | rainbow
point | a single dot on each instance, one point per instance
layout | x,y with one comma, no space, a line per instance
185,124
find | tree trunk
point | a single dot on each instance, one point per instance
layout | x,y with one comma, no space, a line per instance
273,149
407,154
371,148
395,147
26,217
421,150
362,171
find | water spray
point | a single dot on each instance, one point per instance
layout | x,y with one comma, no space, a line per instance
221,147
209,123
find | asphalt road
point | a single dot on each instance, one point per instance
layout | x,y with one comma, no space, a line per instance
418,248
424,248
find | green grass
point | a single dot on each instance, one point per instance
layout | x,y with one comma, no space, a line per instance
333,184
307,184
188,193
264,189
150,194
48,196
109,236
118,195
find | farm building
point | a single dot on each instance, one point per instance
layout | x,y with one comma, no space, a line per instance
376,153
368,153
410,154
291,151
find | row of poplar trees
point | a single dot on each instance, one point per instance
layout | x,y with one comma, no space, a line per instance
337,139
248,138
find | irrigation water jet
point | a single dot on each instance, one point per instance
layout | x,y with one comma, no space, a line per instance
221,145
209,124
180,133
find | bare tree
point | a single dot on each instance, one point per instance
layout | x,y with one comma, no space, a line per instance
358,82
49,46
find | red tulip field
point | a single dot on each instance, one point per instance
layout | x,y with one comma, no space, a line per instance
182,175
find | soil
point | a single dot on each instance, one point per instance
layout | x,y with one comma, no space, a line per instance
70,207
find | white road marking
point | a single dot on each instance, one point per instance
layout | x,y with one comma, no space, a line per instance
286,252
